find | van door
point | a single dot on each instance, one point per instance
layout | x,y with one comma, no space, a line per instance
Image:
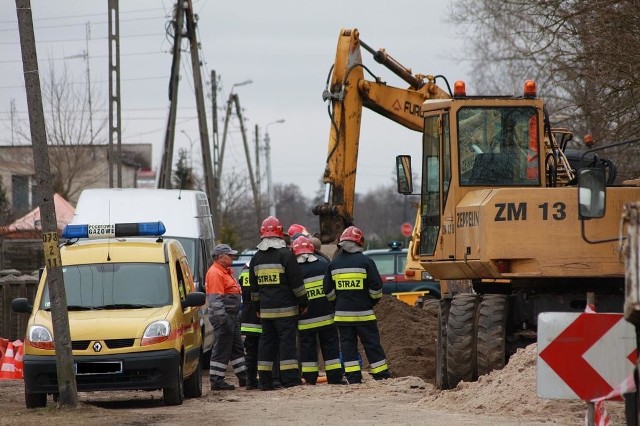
189,318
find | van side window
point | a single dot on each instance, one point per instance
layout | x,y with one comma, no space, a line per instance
181,286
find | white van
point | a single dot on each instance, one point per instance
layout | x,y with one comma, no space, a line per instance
185,214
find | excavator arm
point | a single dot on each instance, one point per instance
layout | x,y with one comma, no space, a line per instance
347,92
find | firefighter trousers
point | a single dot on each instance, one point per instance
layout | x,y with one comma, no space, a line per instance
369,336
227,346
278,338
327,336
251,342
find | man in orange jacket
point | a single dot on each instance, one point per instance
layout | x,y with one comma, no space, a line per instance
224,297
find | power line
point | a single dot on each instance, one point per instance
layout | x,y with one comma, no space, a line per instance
44,27
52,18
96,81
12,43
149,52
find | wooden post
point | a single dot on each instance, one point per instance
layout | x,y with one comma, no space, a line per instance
59,316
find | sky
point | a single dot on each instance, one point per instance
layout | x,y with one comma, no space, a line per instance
285,47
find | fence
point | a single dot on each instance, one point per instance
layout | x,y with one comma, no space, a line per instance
24,255
13,285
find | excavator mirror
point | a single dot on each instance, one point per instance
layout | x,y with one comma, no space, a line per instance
403,172
591,192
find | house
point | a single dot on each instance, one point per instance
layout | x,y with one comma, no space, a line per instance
73,168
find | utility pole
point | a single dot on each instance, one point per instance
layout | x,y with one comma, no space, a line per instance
67,387
257,156
202,113
256,200
267,154
114,92
164,176
184,11
215,204
227,117
86,57
12,109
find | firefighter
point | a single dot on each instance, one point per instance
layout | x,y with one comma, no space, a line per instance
317,324
251,329
278,295
223,302
353,284
297,230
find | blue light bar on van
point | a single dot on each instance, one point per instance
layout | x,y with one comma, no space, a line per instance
143,229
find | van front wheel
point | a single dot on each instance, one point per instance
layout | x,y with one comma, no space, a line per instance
174,395
193,385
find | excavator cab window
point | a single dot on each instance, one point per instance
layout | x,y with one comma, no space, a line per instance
431,205
498,146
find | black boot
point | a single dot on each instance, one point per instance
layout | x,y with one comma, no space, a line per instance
242,380
252,378
264,378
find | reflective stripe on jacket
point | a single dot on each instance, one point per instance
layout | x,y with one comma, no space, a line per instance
275,279
354,284
320,312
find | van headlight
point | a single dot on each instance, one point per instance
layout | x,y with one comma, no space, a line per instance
156,332
40,337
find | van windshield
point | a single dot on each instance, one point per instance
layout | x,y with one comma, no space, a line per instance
114,286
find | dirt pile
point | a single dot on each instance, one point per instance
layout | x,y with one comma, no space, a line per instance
512,391
408,337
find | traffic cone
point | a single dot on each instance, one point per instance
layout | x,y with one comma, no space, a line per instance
3,347
18,359
8,369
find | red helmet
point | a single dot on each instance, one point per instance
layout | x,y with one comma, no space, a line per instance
302,245
353,234
271,227
297,229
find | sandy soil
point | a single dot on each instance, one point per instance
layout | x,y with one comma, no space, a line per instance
505,397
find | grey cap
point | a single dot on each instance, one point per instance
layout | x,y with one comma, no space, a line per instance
221,249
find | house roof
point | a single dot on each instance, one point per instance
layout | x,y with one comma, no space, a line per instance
31,221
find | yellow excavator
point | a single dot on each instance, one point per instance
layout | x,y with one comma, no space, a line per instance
499,208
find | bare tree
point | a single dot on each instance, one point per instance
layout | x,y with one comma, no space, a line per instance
68,129
293,207
183,175
380,214
585,56
237,212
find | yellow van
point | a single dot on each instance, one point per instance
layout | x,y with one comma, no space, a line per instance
133,315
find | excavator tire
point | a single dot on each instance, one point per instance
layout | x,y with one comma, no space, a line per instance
461,339
442,381
492,329
432,307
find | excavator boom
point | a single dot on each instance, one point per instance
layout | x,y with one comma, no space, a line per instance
348,92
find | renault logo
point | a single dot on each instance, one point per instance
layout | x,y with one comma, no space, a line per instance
97,347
